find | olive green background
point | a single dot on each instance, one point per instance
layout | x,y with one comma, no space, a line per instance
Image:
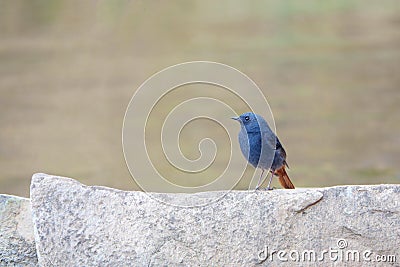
329,69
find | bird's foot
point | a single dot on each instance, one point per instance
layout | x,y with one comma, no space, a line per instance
269,188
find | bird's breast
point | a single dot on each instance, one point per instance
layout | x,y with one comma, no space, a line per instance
250,144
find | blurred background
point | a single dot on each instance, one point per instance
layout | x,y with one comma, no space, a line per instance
329,69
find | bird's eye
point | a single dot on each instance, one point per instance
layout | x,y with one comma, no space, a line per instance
246,118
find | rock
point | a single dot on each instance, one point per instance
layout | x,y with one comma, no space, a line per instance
82,225
17,244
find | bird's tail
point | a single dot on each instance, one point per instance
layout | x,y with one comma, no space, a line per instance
284,178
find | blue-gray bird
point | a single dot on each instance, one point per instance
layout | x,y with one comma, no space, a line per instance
262,148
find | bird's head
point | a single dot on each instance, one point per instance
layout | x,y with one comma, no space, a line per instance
251,122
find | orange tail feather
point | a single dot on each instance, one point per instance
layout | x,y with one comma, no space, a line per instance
284,178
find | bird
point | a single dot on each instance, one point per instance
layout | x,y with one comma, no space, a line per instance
262,148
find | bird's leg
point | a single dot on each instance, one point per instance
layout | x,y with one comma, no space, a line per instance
270,180
260,180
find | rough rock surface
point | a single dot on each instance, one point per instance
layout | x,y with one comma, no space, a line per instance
17,244
78,225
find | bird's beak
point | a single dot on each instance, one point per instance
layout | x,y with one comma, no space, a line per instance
235,118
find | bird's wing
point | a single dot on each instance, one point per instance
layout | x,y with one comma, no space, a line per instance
281,151
280,147
269,139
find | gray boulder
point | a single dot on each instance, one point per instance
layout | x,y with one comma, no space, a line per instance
78,225
17,244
